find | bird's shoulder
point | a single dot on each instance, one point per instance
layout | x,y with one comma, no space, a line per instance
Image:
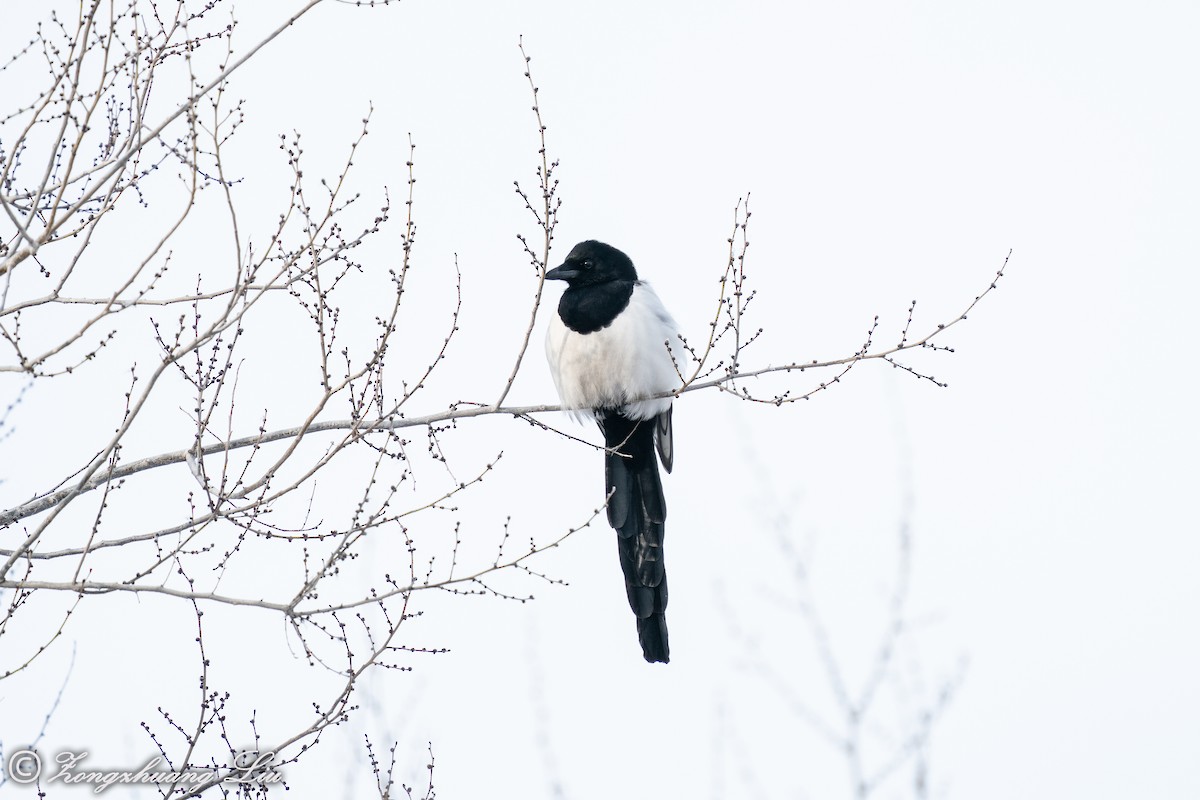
646,301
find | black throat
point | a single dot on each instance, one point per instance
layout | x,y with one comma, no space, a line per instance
587,309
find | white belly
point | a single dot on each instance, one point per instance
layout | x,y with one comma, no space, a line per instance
617,366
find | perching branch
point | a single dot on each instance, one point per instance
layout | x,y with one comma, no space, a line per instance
459,412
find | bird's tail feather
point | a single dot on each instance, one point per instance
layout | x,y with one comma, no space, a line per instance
638,510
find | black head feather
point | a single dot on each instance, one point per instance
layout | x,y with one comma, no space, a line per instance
600,281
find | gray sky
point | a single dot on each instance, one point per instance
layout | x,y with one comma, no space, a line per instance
893,152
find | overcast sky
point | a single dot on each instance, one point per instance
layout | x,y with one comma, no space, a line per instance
893,151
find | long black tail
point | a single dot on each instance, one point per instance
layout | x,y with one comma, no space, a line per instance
637,510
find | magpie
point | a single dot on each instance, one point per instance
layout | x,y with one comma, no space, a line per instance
607,348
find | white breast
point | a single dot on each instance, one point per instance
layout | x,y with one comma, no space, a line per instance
617,366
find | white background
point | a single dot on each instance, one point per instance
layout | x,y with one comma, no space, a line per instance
893,151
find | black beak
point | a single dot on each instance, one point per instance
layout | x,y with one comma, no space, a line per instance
562,273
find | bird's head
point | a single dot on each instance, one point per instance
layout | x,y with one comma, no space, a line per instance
592,263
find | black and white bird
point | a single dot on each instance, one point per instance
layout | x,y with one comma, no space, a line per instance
607,348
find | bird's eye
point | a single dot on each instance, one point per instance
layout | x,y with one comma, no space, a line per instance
587,263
